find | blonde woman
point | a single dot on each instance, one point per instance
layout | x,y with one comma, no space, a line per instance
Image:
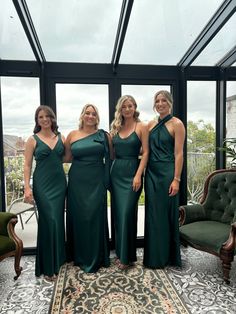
87,225
129,138
162,180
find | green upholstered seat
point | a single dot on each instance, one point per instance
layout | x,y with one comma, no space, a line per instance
6,245
211,225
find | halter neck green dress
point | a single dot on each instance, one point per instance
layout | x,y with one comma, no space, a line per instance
49,190
87,224
124,199
161,236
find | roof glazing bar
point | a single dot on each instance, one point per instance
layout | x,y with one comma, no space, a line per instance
121,31
228,59
27,23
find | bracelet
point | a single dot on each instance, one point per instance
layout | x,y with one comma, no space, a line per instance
177,179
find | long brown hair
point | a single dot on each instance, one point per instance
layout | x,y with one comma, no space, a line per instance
52,116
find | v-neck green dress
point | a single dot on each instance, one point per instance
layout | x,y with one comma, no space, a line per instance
49,190
124,199
87,224
161,236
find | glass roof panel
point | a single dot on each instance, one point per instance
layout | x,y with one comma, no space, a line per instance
224,40
11,34
76,30
161,31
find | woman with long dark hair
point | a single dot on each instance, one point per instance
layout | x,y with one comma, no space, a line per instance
49,190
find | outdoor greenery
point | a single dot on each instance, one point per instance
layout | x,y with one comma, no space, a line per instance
14,177
229,147
201,157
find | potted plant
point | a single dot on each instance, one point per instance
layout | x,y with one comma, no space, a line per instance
229,147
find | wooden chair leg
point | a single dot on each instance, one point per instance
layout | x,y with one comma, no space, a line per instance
226,257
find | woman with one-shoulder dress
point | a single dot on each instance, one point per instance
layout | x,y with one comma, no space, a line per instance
129,137
88,180
49,190
162,179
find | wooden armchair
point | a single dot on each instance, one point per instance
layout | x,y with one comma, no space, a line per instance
211,225
10,244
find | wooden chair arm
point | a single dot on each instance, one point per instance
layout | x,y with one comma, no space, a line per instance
13,235
230,244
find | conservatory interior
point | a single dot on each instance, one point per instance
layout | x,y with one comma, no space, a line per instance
65,54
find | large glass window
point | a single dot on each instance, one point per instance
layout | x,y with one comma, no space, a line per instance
20,98
76,31
12,33
201,101
143,95
231,120
165,29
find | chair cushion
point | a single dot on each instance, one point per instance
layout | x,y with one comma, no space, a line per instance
207,234
6,245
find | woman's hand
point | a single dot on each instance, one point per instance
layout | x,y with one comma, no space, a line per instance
136,183
174,188
28,196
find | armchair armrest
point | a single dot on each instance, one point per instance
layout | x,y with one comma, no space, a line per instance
191,213
4,220
230,244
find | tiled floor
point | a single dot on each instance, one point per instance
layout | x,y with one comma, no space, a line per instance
199,283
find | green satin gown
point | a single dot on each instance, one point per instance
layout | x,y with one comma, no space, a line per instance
161,236
124,199
87,225
49,190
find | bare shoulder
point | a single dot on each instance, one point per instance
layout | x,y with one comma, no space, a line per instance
151,124
177,122
142,125
31,140
72,134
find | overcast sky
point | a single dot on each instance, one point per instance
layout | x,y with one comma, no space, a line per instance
84,31
18,111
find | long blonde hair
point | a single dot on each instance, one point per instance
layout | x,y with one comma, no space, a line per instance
81,122
118,121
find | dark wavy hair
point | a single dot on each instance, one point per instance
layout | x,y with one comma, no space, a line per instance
52,116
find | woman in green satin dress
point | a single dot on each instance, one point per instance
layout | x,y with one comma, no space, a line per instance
49,190
129,138
162,179
87,225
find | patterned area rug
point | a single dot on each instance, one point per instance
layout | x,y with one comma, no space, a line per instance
199,285
110,290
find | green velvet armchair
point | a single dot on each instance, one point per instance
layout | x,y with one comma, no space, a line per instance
10,244
211,225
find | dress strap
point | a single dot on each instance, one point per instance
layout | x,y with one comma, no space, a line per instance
161,122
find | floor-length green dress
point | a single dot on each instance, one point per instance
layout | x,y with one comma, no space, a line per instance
124,199
161,236
87,225
49,190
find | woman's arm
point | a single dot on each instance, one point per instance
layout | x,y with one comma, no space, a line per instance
110,146
29,151
144,134
68,154
179,134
